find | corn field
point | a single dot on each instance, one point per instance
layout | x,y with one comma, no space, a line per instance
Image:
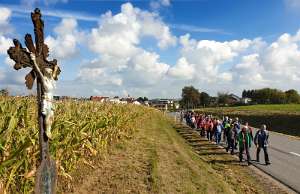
81,130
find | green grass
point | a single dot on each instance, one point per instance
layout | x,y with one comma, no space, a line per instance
259,109
271,107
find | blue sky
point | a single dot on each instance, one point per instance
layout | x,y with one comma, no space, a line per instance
215,45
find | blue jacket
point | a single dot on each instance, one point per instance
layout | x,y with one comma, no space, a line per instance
261,138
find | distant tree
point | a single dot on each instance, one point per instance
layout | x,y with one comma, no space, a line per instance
223,98
277,97
4,92
204,98
292,96
245,94
190,97
140,99
266,96
251,93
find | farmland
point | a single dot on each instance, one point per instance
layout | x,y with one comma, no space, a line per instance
110,148
81,130
283,118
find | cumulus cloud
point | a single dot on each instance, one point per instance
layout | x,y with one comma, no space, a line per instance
97,73
67,37
144,69
122,61
239,64
5,28
203,59
119,34
182,70
5,43
276,65
5,14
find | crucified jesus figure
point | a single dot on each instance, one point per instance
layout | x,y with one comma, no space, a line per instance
47,78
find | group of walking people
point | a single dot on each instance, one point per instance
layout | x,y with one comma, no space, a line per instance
235,135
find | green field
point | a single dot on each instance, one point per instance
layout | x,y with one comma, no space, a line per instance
283,118
259,109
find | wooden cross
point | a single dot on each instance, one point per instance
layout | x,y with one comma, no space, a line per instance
46,173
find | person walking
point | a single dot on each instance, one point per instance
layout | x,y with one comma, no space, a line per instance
244,140
181,116
250,130
230,137
218,131
193,121
226,129
236,130
210,130
225,121
261,141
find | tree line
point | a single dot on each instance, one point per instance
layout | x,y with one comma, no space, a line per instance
193,98
272,96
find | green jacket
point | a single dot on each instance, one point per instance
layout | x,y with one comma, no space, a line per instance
247,137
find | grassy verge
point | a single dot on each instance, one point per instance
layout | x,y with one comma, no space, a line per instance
238,176
159,160
280,118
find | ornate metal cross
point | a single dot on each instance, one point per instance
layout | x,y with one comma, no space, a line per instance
45,73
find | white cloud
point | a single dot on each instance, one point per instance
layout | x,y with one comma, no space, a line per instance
225,76
119,35
191,28
99,76
282,54
144,69
122,61
206,57
32,3
64,45
276,65
182,70
5,43
5,15
5,28
24,11
153,26
157,4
